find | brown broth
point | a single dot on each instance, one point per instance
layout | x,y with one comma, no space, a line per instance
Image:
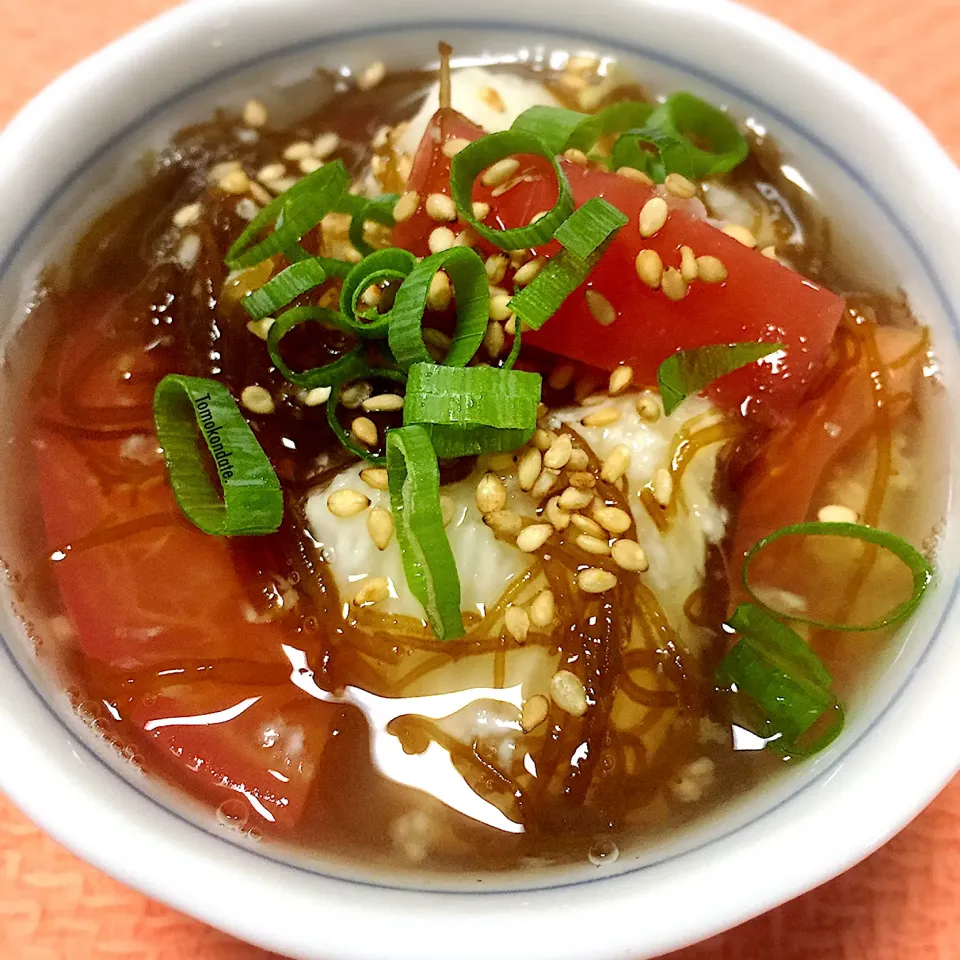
601,777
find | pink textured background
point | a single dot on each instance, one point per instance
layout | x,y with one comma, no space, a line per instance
901,904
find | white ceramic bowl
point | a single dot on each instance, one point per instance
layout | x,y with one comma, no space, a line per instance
896,199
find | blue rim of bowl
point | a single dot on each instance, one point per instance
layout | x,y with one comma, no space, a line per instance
643,53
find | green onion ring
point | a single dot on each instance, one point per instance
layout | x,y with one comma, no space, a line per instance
287,285
344,436
561,129
390,264
343,368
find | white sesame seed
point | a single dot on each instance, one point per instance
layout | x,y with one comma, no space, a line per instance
353,395
219,170
612,519
480,210
579,460
491,494
586,525
234,182
347,503
280,186
594,545
648,407
496,267
383,403
499,172
615,464
505,523
299,150
638,176
316,396
574,498
257,399
442,238
494,339
246,208
673,285
620,379
543,610
440,207
559,453
532,538
568,693
680,186
380,527
543,439
364,430
653,216
187,216
545,483
556,514
740,234
629,555
534,712
688,264
528,272
517,622
575,156
601,309
260,328
325,144
258,194
188,251
596,580
310,165
662,484
254,113
711,270
375,477
372,75
440,293
602,417
528,469
454,145
372,590
406,206
837,513
499,309
649,268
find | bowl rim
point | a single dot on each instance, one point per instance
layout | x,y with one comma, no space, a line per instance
82,81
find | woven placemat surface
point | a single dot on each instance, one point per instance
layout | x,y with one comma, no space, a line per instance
903,903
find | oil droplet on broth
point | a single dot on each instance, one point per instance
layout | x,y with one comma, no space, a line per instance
232,814
603,853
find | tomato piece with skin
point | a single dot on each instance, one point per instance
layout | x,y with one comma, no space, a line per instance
147,593
761,300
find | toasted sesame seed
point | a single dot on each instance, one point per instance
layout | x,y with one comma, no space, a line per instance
325,144
519,257
586,525
499,309
596,580
371,296
534,712
371,76
365,430
575,499
235,182
481,210
648,408
612,519
680,186
316,396
543,610
532,538
491,494
380,526
594,545
602,417
615,463
688,264
837,513
568,693
352,396
260,328
494,339
543,439
528,272
711,270
372,590
440,293
673,285
601,309
579,459
454,145
505,523
510,327
620,379
582,480
246,208
770,252
446,509
257,399
629,555
279,186
517,622
440,207
545,483
528,469
501,461
375,477
662,484
187,216
491,98
347,503
741,234
559,453
496,267
299,150
638,176
406,206
254,113
653,216
556,514
271,172
443,238
561,376
499,172
383,403
310,165
649,268
576,156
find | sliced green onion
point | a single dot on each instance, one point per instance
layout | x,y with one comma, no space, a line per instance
920,570
363,209
414,479
335,268
655,153
592,227
293,214
562,129
344,436
390,264
346,367
514,353
287,285
811,741
251,501
472,410
472,292
474,158
687,372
